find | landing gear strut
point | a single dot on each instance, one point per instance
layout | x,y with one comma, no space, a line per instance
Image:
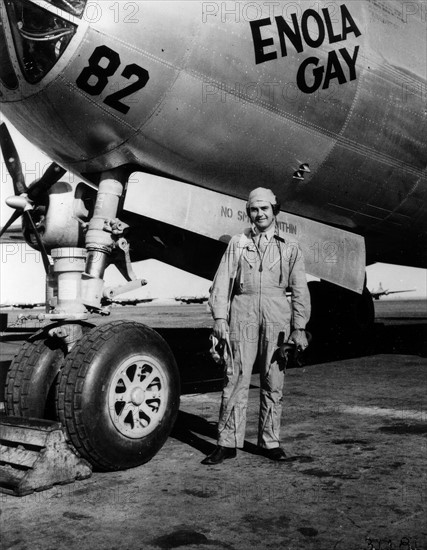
114,387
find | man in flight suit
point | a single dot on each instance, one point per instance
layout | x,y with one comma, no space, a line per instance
253,316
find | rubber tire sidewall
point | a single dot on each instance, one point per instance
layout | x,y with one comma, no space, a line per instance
86,413
31,379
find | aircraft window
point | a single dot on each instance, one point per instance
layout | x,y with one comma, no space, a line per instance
7,74
40,37
74,7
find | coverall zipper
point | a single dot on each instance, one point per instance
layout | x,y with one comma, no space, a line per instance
260,270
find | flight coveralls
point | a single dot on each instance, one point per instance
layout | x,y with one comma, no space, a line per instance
249,291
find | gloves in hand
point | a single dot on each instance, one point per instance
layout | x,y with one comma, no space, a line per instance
299,338
284,351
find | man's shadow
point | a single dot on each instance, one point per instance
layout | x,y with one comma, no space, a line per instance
192,429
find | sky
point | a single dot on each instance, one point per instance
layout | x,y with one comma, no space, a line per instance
22,273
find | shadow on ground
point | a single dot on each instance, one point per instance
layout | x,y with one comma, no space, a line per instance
188,427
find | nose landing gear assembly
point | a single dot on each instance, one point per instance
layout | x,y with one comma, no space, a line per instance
113,387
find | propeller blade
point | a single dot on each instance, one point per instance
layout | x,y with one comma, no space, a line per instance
43,184
43,252
10,221
11,159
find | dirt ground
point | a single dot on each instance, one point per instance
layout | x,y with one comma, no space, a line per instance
355,431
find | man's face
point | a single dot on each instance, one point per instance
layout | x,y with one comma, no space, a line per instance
261,214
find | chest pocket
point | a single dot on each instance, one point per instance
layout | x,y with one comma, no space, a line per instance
248,271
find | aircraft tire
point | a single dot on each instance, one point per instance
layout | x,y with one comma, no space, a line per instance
30,381
118,395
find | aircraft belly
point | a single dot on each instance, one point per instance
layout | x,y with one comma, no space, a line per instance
237,141
383,160
388,123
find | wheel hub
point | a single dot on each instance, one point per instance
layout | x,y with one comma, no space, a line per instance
137,396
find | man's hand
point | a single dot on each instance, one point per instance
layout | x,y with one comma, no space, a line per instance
220,329
299,338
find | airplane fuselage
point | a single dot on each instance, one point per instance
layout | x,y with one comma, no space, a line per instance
234,95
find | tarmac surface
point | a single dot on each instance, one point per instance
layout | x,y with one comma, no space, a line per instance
354,429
